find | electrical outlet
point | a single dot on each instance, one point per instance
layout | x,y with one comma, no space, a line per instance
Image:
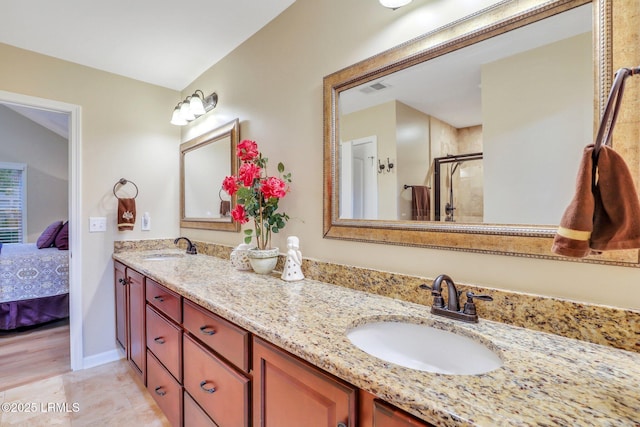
146,222
97,224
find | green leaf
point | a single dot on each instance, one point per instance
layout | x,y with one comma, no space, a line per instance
247,239
248,232
280,167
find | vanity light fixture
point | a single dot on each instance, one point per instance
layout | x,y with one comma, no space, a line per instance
394,4
193,107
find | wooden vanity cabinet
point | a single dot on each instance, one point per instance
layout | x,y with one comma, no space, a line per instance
165,390
164,350
288,391
216,386
216,375
120,289
204,371
130,311
378,413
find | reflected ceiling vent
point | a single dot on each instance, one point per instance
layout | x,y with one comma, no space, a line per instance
375,87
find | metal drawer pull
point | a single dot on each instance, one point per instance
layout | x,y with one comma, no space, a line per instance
159,391
159,340
208,390
207,330
122,281
342,425
159,298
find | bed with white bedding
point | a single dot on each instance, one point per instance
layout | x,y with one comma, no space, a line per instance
34,285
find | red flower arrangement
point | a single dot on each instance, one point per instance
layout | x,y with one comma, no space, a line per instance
257,194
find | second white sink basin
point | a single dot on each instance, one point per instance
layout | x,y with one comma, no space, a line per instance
424,348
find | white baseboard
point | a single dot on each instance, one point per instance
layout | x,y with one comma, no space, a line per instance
101,358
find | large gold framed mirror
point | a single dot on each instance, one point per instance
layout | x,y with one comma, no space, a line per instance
502,102
204,162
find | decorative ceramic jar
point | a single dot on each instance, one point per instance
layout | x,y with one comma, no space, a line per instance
263,261
239,258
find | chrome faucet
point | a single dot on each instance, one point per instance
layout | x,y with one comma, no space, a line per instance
191,248
452,309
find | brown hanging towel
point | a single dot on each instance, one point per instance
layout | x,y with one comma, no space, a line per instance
126,207
126,214
420,203
605,212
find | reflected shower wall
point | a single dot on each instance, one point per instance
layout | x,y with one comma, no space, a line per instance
458,188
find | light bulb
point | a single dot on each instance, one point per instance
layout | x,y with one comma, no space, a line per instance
176,117
185,111
394,4
196,106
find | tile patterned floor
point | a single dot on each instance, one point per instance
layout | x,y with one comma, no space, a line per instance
107,395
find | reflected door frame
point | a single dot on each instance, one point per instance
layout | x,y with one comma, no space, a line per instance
359,178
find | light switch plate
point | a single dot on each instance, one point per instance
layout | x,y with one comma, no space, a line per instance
97,224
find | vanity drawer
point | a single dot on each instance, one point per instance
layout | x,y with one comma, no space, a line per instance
194,416
165,390
225,338
168,302
164,339
218,388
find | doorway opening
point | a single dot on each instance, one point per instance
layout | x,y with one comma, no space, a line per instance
43,107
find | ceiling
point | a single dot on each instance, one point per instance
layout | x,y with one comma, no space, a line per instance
163,42
449,87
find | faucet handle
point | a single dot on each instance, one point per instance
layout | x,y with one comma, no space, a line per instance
470,306
438,301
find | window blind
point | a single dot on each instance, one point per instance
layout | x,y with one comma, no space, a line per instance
12,203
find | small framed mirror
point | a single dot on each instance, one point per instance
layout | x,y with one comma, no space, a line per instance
204,162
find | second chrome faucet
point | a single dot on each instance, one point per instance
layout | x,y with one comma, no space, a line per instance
452,308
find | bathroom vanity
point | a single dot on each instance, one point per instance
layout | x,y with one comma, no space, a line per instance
238,349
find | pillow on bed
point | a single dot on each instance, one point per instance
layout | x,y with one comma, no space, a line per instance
62,238
48,236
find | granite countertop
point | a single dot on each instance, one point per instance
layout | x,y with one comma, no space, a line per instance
545,380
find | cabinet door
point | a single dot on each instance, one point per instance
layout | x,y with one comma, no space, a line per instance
164,340
217,387
137,342
288,392
194,416
165,390
385,415
120,288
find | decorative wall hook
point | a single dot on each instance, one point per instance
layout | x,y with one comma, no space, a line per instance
385,166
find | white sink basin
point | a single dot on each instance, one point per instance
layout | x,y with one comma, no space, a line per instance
161,257
424,348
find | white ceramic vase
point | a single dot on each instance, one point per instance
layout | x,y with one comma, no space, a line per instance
263,261
239,257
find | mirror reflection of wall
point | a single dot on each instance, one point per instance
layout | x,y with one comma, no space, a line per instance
204,163
523,99
205,168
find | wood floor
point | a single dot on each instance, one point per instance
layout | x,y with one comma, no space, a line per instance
32,354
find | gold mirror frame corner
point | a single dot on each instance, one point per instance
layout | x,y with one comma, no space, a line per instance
497,239
231,130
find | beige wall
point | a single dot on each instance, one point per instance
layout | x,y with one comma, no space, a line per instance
125,133
553,80
273,83
379,121
412,163
46,155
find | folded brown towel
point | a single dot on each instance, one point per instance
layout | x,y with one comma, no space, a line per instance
421,203
604,213
225,207
126,214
